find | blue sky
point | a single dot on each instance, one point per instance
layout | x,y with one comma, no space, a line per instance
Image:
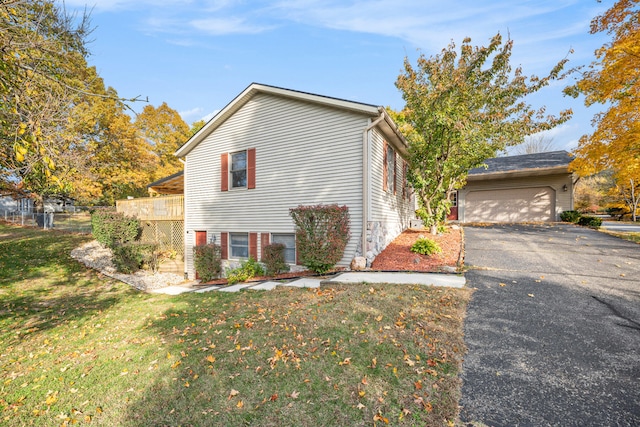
198,55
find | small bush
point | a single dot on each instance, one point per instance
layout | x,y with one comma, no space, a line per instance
590,221
207,260
425,246
617,212
131,257
322,234
570,216
273,259
151,256
248,269
113,229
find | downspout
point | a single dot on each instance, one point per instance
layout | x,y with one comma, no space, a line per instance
365,182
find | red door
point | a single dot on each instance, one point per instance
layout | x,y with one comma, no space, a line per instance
453,213
201,239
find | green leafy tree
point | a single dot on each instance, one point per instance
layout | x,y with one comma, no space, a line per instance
42,53
46,88
462,108
196,126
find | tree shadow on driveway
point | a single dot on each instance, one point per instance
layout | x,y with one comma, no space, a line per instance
552,329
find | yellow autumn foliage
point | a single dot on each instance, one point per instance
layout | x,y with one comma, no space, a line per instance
613,80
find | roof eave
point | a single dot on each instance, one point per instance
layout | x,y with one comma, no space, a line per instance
165,179
555,170
255,88
390,128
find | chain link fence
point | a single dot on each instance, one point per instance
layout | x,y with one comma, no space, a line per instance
77,220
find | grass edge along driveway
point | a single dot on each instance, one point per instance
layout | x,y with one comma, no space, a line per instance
80,348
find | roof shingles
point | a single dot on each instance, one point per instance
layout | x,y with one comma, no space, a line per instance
549,160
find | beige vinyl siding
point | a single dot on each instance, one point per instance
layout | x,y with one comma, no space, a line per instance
305,154
555,183
392,210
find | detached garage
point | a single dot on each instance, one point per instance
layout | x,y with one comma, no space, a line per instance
528,188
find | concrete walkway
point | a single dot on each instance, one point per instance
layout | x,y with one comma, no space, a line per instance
374,278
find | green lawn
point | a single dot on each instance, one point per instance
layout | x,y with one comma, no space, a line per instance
80,348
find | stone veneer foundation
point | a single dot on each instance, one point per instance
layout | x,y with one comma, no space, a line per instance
378,237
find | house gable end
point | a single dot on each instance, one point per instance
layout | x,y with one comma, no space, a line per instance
254,89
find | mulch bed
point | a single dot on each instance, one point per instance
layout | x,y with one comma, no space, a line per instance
397,256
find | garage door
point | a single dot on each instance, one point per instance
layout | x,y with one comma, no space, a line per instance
510,205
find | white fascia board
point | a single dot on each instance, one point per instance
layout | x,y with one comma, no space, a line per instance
556,170
255,88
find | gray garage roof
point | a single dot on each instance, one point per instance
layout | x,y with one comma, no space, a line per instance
534,163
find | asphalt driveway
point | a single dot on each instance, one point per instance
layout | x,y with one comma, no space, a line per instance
553,329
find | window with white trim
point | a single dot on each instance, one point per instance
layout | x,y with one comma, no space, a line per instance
239,245
391,169
238,170
289,242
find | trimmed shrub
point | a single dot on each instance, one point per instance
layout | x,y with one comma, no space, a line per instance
322,233
131,257
207,260
570,216
425,246
590,221
113,229
273,259
248,269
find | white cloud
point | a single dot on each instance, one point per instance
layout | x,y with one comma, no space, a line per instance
188,115
222,26
427,24
209,116
114,5
563,137
195,114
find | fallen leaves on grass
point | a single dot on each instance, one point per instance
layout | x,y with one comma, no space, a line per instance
331,356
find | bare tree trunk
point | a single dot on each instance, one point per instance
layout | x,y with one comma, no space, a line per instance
635,198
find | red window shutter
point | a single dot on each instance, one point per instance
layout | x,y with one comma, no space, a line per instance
224,172
251,168
201,238
385,171
264,241
253,245
224,245
405,190
395,169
